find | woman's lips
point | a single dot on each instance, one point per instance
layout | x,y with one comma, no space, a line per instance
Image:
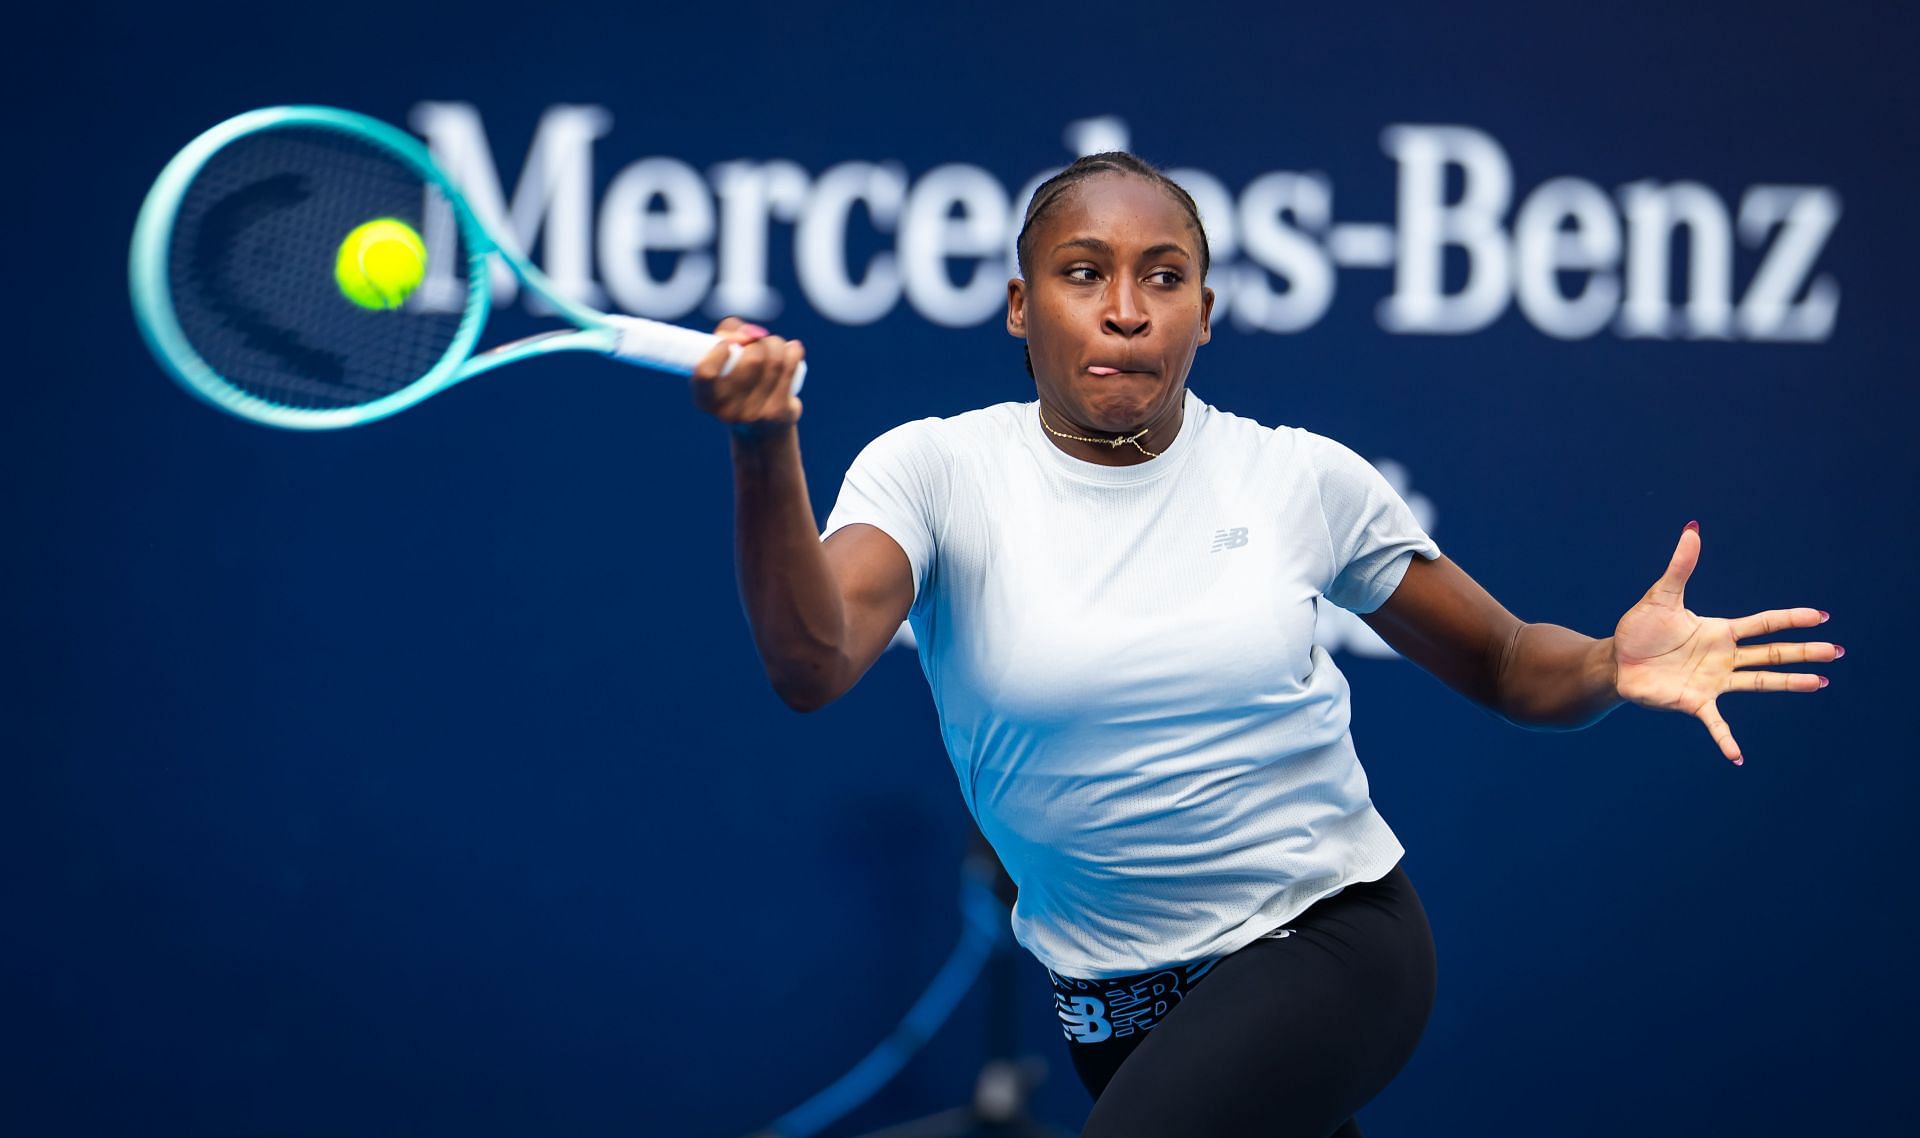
1104,370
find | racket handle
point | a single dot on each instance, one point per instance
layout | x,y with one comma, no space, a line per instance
669,347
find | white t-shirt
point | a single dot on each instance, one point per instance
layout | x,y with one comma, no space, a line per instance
1124,667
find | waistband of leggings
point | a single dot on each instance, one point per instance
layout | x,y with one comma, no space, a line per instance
1393,880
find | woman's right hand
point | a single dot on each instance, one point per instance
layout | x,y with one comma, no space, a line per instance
756,397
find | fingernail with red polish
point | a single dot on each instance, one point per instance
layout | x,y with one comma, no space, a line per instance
1741,761
1694,526
1824,681
1839,650
1825,616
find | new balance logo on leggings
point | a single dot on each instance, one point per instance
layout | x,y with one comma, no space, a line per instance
1094,1011
1084,1019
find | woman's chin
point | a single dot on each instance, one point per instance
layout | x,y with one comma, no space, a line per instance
1120,415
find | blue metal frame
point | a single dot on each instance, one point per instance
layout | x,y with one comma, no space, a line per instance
983,928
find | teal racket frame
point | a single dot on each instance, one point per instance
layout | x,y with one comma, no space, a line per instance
160,324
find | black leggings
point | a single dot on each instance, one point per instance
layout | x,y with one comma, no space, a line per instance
1285,1038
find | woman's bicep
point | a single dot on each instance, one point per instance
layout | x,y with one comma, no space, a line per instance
876,584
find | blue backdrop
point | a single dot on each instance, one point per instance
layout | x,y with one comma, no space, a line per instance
421,779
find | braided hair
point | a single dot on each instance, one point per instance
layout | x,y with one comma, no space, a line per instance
1109,162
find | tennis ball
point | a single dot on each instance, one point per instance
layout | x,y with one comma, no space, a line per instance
380,264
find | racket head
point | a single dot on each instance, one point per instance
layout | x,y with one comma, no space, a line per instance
232,270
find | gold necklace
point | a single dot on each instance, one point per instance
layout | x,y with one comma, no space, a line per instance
1133,438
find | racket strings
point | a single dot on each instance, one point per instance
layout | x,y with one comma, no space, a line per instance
251,270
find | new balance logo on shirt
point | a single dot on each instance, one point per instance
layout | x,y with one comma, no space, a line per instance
1228,539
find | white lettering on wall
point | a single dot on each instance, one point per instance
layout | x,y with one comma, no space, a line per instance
960,212
1806,215
680,226
820,244
1279,213
1656,215
1653,259
1567,226
552,203
753,195
1429,225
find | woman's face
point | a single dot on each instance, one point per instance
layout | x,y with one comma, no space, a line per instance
1115,308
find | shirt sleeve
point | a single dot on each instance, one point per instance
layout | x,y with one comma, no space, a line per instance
898,484
1373,533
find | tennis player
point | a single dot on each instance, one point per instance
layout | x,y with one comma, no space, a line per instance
1114,589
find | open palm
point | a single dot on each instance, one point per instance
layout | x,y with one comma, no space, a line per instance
1669,658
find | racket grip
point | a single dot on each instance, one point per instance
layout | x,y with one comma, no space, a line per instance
669,347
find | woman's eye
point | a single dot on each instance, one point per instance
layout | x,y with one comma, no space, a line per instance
1075,272
1165,276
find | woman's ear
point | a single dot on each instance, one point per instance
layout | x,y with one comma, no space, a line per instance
1017,308
1206,315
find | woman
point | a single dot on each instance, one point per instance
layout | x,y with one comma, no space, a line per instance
1114,590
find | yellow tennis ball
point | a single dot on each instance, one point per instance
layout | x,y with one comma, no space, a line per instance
380,264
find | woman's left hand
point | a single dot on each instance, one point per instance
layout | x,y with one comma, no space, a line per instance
1666,657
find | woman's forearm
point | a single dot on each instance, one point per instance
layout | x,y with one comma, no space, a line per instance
786,584
1555,679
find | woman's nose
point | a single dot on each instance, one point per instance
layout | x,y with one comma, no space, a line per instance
1125,316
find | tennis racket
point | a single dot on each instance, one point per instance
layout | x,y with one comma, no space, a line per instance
234,288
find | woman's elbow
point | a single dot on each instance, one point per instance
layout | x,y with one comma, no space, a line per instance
803,700
808,690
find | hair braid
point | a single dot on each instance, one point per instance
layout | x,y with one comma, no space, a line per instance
1110,162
